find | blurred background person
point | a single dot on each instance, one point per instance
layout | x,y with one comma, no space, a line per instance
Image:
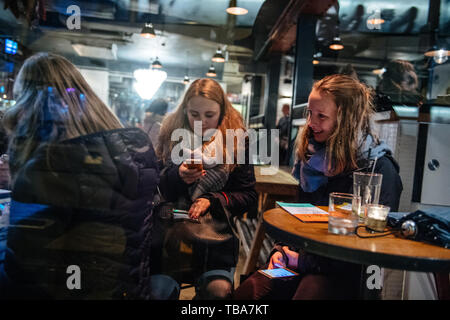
400,83
5,178
86,183
153,119
283,126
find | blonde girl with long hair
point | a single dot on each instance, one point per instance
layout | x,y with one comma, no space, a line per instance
336,141
86,183
222,189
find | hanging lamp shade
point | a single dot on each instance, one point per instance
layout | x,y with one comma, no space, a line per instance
148,31
211,72
235,10
439,55
336,44
218,57
156,64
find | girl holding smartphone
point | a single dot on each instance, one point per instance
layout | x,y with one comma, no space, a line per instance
336,141
221,191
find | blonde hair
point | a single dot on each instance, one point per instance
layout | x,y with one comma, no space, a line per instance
354,102
53,103
229,118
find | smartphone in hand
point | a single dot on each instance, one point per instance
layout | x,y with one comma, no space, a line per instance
194,164
278,273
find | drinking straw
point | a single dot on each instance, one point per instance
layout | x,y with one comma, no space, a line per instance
370,180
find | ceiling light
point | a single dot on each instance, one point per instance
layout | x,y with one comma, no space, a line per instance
218,57
439,55
148,82
316,57
211,72
235,10
379,71
375,21
156,64
336,44
186,80
148,31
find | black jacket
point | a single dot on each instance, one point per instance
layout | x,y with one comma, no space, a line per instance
85,202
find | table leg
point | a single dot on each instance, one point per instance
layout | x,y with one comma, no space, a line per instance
258,238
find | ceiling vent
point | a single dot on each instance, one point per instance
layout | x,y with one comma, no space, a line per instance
96,52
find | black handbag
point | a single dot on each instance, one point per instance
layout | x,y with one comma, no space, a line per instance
425,227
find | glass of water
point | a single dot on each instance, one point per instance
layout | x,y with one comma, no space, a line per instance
368,187
343,211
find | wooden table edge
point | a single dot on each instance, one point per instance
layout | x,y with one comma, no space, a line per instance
358,256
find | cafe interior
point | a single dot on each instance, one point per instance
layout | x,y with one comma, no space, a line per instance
266,54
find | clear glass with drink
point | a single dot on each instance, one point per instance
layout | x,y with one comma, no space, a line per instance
343,211
368,187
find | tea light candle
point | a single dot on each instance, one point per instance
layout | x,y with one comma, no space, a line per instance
376,217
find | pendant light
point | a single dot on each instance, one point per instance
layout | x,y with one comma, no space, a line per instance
218,57
235,10
148,31
186,79
156,64
437,52
439,55
211,72
336,44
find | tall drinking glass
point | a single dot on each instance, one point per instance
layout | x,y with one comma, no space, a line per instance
368,187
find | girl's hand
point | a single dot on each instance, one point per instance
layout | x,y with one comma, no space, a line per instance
199,208
277,260
189,176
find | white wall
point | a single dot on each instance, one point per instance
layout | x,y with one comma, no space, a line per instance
99,82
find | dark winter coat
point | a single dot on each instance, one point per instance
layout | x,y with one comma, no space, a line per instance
84,202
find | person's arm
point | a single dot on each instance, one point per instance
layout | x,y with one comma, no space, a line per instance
239,194
171,185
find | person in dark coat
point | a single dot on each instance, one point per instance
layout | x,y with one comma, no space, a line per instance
336,141
153,119
219,191
82,190
283,126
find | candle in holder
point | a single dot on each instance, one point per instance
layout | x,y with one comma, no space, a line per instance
376,217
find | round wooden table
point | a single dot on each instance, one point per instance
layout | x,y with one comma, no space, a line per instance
388,252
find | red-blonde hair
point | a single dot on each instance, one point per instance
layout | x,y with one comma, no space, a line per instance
229,118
